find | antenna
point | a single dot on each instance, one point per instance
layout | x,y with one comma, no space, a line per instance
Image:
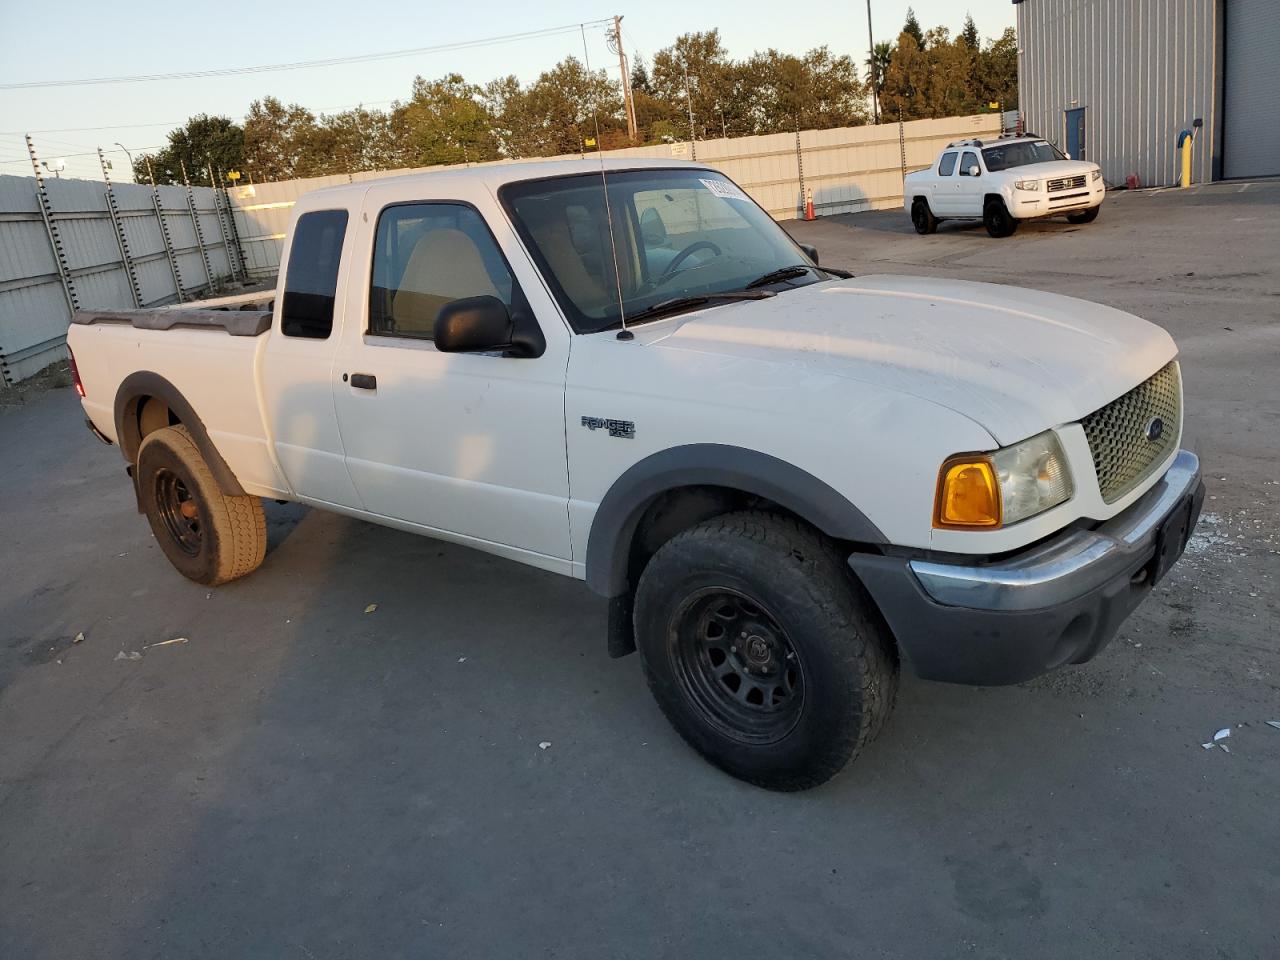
624,333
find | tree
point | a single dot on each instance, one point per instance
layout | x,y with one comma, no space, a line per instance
996,71
557,113
640,82
907,81
912,27
713,83
444,121
202,141
817,90
969,33
274,138
877,65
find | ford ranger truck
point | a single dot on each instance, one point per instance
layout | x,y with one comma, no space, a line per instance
1002,182
788,482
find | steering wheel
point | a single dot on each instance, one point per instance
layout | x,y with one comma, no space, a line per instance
683,255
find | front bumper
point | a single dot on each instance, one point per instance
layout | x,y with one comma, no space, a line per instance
1029,205
1059,602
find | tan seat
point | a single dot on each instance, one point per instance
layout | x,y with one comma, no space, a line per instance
445,265
556,244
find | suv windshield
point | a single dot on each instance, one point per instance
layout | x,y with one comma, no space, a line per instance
1020,154
678,233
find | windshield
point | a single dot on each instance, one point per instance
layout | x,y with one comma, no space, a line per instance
678,233
1020,154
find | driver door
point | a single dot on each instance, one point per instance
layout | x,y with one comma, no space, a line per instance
470,444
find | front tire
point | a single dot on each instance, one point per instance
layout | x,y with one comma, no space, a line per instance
1084,216
762,652
208,536
922,217
997,219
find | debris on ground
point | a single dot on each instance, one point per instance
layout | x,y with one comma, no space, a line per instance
79,638
462,659
1222,734
370,608
131,655
1274,723
165,643
544,744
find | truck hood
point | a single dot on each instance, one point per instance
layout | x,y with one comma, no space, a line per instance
1015,361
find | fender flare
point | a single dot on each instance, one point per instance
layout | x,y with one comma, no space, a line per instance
144,383
713,465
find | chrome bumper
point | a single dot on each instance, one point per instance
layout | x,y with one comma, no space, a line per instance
1066,566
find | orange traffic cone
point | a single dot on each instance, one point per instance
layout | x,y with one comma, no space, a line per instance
808,203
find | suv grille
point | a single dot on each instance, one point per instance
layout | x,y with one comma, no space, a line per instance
1124,453
1065,183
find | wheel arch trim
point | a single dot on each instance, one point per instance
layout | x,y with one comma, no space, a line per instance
714,465
144,383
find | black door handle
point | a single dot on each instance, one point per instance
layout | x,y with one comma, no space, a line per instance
364,381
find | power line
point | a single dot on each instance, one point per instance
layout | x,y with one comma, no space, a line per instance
306,64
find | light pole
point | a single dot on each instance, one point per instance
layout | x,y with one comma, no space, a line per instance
132,176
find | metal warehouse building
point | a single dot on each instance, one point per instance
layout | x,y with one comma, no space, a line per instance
1116,81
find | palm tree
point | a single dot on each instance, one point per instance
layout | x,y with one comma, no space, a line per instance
877,65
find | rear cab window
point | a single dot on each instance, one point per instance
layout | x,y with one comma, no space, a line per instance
311,276
947,165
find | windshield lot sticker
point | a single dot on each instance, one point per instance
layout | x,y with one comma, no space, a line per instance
723,188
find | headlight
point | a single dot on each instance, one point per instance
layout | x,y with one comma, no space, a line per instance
1095,176
987,491
1031,186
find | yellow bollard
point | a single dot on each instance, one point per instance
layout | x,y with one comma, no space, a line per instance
1186,162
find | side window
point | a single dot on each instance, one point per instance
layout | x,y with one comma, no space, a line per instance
311,277
947,165
426,255
970,159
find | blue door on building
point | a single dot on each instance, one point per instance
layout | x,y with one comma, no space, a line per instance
1075,133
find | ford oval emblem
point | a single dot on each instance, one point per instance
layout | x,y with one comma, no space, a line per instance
1154,429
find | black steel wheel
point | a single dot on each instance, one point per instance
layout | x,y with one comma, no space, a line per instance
736,665
763,652
179,511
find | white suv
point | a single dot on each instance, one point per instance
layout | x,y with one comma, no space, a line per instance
1002,182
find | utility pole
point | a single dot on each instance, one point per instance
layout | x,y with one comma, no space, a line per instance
628,100
875,69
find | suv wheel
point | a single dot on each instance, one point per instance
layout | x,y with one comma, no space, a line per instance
922,217
996,218
763,652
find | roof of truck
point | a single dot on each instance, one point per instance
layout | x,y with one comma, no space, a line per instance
497,174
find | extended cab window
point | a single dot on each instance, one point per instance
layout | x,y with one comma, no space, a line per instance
311,278
429,254
970,159
947,165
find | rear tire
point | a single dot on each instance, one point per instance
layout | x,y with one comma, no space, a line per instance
1084,216
208,536
762,652
997,219
922,217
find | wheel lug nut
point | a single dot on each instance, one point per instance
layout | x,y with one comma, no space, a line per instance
733,649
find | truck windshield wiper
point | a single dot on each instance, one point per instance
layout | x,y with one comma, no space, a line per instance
695,300
777,276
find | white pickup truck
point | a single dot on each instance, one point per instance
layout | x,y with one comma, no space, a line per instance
1002,182
786,480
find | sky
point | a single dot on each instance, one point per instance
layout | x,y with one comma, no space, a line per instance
76,39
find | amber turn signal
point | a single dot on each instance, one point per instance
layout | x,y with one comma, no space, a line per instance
968,494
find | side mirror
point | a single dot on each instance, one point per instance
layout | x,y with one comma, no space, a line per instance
810,251
974,170
473,325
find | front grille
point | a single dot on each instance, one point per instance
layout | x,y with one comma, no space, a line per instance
1066,183
1119,434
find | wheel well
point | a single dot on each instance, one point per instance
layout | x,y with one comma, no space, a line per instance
154,414
918,199
992,196
674,511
